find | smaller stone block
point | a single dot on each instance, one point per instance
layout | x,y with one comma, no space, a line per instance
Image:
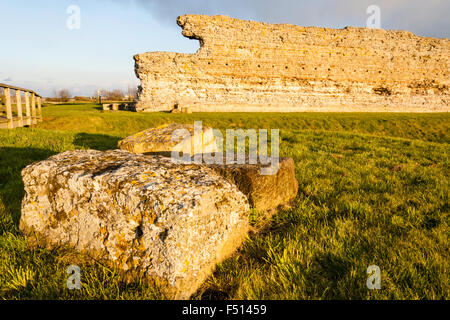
160,140
265,192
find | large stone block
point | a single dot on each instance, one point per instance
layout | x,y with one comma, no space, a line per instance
163,141
143,214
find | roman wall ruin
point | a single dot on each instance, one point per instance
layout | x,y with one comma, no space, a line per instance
251,66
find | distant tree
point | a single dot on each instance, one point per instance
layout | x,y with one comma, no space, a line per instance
63,95
116,95
51,99
132,93
81,98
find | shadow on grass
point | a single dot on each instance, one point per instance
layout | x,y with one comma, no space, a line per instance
100,142
98,107
12,161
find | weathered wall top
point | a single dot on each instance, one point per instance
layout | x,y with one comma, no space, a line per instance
252,66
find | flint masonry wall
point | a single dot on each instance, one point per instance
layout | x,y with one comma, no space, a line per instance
252,66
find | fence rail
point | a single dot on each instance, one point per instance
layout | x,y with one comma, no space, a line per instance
33,107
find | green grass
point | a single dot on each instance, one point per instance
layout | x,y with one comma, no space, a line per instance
373,191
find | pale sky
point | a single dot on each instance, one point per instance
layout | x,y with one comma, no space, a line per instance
39,52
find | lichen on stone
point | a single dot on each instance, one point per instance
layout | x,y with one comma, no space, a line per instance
129,210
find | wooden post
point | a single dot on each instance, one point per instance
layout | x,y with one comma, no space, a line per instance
19,108
20,120
8,108
33,108
27,108
39,108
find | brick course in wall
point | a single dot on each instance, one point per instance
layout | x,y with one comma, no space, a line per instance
252,66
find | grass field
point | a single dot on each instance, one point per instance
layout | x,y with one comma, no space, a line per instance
373,190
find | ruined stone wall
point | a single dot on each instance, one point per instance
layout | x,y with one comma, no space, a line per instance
251,66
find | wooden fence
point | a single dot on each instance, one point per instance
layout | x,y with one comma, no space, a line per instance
33,110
